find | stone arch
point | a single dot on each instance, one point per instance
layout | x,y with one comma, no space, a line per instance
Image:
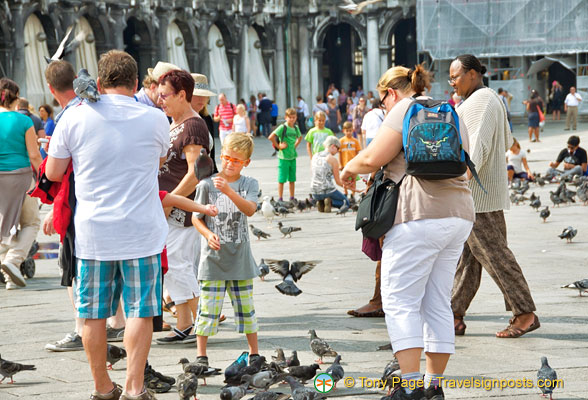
230,40
391,20
320,32
138,38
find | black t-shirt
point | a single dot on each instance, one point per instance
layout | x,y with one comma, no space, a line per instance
578,158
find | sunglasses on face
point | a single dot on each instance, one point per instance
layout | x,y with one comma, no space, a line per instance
232,160
165,96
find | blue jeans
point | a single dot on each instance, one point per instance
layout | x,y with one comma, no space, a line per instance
336,196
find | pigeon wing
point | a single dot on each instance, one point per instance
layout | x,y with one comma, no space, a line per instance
300,268
281,267
59,53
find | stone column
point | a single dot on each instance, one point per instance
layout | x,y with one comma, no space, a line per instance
364,66
19,71
243,83
315,75
163,17
305,69
373,59
118,27
203,66
279,66
385,61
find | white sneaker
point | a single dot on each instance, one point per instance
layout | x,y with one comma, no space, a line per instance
11,286
13,272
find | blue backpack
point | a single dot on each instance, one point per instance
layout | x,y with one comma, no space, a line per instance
432,143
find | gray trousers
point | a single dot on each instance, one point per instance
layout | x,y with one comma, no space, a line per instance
487,248
577,170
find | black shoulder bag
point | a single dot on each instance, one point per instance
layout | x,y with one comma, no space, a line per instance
377,209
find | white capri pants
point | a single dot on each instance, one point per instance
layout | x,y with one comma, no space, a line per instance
183,253
223,134
419,259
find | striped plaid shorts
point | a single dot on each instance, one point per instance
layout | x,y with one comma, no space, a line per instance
99,285
210,305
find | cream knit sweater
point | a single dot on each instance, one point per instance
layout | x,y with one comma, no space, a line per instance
490,137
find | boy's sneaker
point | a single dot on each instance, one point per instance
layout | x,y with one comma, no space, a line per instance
113,395
149,371
320,205
434,393
71,342
328,204
202,360
115,335
400,394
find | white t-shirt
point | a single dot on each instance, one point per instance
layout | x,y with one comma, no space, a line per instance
573,100
115,145
239,124
516,160
371,122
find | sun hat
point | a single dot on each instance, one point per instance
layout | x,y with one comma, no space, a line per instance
201,87
160,69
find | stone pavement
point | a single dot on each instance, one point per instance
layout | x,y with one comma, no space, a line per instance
41,313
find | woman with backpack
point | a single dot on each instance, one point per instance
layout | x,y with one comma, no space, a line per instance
420,252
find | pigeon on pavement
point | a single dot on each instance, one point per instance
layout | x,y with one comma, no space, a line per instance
582,286
280,358
320,347
187,385
236,366
548,377
263,270
555,199
293,360
114,354
258,232
536,203
299,392
287,230
8,369
85,86
344,208
301,206
234,392
545,213
391,371
268,210
568,233
270,396
200,370
203,166
290,273
336,370
251,369
304,372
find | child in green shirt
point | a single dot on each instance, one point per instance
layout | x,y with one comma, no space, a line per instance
317,135
286,138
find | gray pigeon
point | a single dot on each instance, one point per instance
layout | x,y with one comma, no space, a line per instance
287,230
555,199
67,48
582,286
263,269
280,358
258,232
85,86
187,385
336,370
536,203
234,392
293,360
264,379
391,371
568,233
344,208
8,369
204,165
299,392
545,213
114,354
283,211
583,193
320,347
548,377
270,396
201,371
304,372
290,273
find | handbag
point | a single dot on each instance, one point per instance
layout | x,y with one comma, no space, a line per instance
377,209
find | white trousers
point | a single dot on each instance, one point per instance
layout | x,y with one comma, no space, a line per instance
223,134
418,265
183,255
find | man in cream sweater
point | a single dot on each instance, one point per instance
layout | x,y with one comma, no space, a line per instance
486,119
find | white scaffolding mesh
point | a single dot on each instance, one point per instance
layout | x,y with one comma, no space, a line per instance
501,28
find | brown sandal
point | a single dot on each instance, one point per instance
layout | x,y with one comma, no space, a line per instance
460,327
512,332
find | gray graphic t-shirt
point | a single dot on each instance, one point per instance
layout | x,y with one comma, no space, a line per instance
234,260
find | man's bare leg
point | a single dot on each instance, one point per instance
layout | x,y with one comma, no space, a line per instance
94,339
137,341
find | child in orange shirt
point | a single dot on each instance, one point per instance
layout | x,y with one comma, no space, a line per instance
350,147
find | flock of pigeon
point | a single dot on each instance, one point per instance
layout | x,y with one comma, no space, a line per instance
563,195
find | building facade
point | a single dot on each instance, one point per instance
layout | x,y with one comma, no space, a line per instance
284,48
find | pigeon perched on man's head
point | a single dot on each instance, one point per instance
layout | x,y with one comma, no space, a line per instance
85,86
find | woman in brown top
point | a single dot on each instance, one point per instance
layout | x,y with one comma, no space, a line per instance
188,135
421,250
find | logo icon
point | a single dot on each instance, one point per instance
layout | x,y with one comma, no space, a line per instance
323,383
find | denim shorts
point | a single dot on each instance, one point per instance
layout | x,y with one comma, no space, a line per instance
99,285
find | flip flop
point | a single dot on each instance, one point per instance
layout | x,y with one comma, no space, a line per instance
460,327
512,332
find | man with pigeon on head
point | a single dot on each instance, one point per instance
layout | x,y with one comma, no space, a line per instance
119,222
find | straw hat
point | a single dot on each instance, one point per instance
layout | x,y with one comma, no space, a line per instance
160,69
201,87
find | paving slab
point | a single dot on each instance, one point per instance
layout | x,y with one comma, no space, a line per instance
41,313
